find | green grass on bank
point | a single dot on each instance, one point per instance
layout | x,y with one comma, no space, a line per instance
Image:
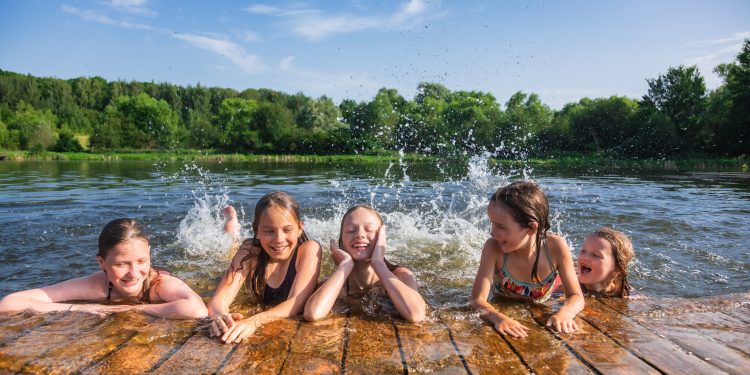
565,162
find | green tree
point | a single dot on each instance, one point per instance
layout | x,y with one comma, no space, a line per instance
681,95
237,124
36,129
733,134
140,122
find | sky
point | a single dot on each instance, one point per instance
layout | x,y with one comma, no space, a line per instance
561,50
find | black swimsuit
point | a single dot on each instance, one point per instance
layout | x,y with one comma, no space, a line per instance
275,296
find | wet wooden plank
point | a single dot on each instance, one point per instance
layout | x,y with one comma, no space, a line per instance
541,350
598,350
317,348
264,352
650,347
427,347
200,354
482,348
13,326
14,355
89,347
152,344
372,348
716,326
665,319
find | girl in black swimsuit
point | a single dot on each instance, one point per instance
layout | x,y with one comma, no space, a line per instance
279,264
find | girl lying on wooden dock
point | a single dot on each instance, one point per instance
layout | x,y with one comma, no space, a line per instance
361,266
126,281
280,264
512,260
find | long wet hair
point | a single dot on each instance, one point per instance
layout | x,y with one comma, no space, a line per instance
391,266
623,252
527,204
257,257
118,231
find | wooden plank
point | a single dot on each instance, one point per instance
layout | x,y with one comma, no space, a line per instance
598,350
16,325
716,326
317,348
14,355
427,347
91,346
264,352
200,354
482,347
541,351
664,319
650,347
152,344
372,347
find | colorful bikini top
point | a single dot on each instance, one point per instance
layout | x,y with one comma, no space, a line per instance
506,286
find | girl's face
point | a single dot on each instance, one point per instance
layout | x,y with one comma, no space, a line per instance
278,233
596,264
127,266
360,229
508,233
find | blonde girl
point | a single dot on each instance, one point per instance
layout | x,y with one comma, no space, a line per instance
603,263
360,262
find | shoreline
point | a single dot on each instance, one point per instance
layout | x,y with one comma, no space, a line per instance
589,163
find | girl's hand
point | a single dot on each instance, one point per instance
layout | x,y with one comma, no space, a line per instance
239,330
511,327
378,253
339,256
562,324
221,323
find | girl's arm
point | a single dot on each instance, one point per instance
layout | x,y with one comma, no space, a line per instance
321,302
308,269
179,300
50,298
564,319
481,290
401,285
226,291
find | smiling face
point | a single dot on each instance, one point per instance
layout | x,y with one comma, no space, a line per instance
127,266
509,234
359,231
596,264
278,233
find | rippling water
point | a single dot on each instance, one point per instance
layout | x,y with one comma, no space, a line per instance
690,230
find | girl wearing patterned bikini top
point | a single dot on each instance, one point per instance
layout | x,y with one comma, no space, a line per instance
278,251
126,281
519,216
361,264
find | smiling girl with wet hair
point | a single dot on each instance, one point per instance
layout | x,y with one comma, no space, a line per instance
126,281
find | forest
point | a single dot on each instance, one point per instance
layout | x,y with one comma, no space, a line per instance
677,117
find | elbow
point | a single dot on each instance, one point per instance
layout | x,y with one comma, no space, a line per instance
11,303
310,315
199,312
416,314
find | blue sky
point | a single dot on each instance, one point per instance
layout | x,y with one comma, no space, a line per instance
561,50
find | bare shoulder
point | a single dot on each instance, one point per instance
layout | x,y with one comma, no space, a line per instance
557,246
310,246
403,272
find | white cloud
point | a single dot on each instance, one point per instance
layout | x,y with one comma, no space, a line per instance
286,63
249,36
314,24
711,53
231,51
133,6
91,16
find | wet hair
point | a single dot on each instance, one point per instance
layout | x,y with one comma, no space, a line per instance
623,252
118,231
257,256
391,266
527,204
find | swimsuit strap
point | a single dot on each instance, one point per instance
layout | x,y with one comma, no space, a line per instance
109,290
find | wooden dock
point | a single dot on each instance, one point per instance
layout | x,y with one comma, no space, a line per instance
669,336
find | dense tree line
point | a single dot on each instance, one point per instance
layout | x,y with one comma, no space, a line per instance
678,116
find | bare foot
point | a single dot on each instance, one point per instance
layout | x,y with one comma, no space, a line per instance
231,225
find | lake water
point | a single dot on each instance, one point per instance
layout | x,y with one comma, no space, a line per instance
690,230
